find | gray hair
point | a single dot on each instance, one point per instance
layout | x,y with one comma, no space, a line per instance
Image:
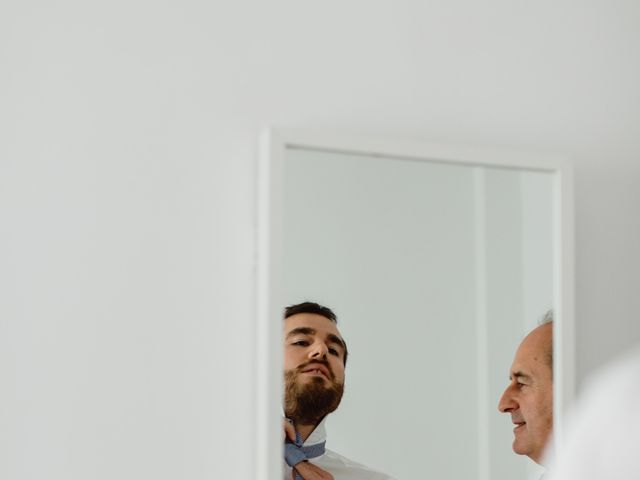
548,317
546,320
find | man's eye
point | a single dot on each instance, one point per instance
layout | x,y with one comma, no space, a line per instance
301,343
335,352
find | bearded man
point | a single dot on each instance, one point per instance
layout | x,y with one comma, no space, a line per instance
315,356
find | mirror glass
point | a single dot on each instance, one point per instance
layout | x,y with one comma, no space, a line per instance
436,271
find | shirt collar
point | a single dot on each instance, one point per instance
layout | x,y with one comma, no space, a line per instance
318,435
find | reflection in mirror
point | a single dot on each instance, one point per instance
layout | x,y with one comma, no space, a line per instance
436,271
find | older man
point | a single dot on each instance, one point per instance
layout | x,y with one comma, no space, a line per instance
529,396
315,356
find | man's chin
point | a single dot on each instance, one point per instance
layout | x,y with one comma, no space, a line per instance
519,448
308,398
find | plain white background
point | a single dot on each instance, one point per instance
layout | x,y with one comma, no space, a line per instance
128,147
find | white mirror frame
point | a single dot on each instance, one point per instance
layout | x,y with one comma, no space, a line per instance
274,143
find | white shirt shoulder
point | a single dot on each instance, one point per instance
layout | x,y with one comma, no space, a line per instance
343,468
601,442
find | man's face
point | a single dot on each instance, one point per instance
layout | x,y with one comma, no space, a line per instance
314,367
529,396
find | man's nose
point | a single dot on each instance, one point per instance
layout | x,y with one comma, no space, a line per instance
507,402
318,350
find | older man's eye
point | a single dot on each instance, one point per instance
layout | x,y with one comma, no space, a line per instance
335,352
301,343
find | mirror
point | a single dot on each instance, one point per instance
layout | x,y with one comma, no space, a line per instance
437,261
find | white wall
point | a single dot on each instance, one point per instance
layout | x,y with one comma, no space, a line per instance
127,162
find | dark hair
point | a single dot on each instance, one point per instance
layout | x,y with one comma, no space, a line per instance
312,307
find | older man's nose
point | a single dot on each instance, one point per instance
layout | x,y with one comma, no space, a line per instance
507,403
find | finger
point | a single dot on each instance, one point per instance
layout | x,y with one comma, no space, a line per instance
309,471
302,469
289,430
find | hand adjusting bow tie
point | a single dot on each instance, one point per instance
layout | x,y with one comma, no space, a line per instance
294,452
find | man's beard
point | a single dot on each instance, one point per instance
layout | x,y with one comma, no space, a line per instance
308,402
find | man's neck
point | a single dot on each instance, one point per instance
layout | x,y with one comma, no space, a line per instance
304,430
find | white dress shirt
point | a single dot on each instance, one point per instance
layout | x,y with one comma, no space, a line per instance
340,467
602,439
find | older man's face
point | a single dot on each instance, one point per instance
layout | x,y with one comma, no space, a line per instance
529,396
314,355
